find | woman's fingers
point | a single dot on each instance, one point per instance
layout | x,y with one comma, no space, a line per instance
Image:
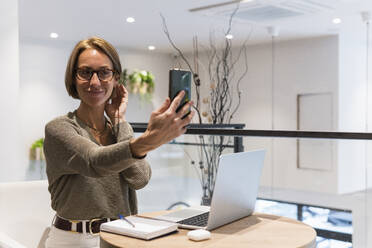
124,94
164,106
165,124
176,101
119,95
181,124
185,121
185,109
125,91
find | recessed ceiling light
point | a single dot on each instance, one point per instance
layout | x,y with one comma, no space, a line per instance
130,19
151,47
53,35
229,36
336,20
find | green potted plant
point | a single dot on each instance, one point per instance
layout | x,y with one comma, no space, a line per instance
36,150
138,82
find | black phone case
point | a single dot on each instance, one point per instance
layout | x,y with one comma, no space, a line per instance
180,80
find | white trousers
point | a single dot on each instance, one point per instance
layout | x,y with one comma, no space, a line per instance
61,239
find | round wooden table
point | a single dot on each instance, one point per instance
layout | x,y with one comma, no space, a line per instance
257,230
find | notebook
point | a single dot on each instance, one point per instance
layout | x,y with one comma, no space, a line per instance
234,196
144,228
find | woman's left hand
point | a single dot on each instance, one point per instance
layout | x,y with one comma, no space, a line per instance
118,106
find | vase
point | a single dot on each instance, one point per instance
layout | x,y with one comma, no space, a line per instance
206,201
143,89
38,153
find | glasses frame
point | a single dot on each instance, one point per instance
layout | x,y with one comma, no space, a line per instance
94,72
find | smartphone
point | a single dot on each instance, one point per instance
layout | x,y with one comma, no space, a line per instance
180,80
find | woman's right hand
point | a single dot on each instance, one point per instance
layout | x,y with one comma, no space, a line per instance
164,125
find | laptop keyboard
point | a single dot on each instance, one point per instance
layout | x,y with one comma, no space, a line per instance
198,220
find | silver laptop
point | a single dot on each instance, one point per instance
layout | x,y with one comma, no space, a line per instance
234,196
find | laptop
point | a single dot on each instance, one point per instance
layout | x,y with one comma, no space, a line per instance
234,196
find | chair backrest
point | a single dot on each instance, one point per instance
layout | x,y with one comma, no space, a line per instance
25,211
7,242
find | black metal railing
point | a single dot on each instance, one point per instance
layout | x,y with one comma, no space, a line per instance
231,130
140,127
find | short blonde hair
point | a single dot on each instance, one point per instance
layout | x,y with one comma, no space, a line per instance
90,43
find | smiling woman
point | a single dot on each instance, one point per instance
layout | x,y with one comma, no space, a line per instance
94,164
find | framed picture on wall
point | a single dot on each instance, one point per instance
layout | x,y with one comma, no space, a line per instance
315,113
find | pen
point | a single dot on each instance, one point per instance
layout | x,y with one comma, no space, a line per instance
123,218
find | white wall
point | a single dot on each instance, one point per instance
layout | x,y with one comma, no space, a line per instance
9,71
302,67
352,107
42,94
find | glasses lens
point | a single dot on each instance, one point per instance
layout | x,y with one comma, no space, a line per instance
84,74
105,74
87,74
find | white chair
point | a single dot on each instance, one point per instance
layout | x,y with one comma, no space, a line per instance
8,242
25,213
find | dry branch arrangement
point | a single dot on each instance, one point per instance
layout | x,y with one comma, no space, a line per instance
223,100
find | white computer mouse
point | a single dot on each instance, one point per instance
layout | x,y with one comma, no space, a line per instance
199,234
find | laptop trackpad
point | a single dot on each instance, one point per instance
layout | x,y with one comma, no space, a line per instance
181,214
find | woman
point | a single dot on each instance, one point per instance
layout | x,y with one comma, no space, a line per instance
94,164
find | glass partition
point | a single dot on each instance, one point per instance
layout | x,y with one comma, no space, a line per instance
322,181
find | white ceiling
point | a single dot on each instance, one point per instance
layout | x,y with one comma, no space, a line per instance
77,19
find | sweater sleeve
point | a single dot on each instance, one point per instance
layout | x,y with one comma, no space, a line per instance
138,175
68,152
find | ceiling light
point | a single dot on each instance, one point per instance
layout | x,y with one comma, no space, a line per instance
336,20
130,19
229,36
53,35
151,48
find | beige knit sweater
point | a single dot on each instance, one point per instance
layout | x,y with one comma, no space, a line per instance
87,180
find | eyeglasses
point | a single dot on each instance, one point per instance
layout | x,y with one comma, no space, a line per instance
86,74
